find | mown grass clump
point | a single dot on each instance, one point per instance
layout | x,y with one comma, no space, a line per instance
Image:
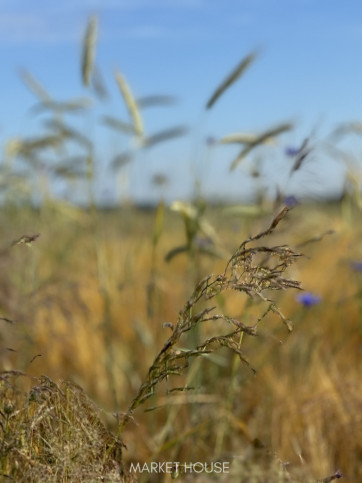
53,432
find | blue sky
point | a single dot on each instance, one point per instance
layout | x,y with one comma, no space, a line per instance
309,71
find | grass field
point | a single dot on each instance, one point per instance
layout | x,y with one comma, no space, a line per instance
89,300
189,341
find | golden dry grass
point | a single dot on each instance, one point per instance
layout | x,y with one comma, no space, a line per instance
80,297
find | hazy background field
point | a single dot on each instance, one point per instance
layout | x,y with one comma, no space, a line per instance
87,299
133,210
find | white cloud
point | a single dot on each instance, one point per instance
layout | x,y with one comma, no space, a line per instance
65,21
140,3
36,26
13,25
147,32
103,5
245,19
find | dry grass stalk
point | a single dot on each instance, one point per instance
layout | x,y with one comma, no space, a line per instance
165,135
27,148
302,154
88,55
59,107
118,125
347,128
155,100
121,160
54,433
130,103
99,85
26,239
66,132
241,138
281,128
243,273
231,78
34,85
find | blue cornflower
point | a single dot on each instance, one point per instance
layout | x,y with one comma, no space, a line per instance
308,299
203,242
291,201
291,151
356,266
211,141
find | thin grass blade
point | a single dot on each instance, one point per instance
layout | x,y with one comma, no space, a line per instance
121,160
242,138
270,133
163,136
88,54
231,78
130,103
66,132
118,125
99,85
30,81
238,138
59,107
155,101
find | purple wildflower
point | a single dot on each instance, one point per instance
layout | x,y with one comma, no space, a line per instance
203,242
356,266
291,151
338,474
308,299
291,201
